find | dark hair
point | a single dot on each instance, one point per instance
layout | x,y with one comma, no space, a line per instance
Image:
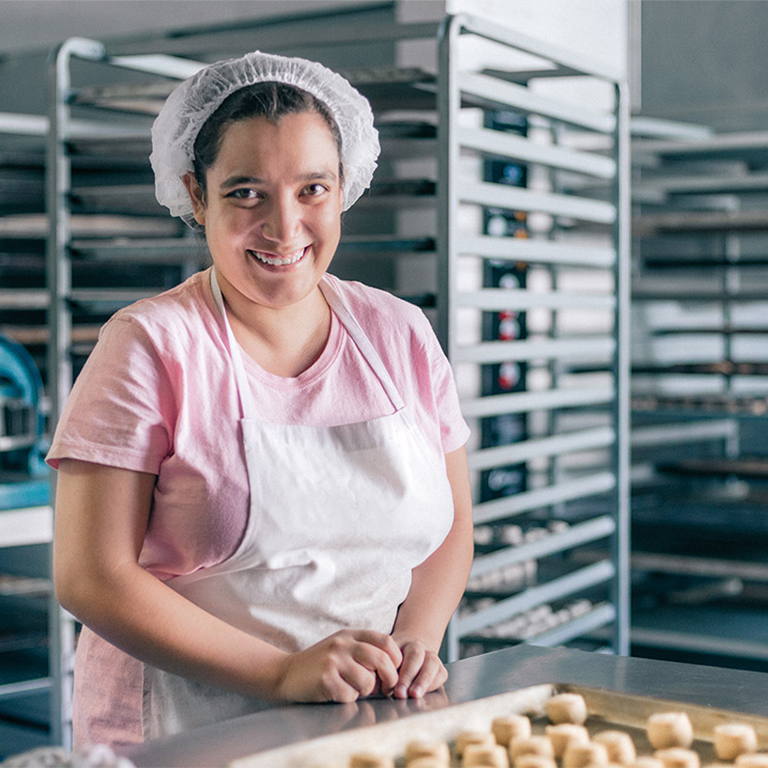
271,100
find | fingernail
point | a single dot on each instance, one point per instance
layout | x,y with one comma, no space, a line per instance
417,692
401,692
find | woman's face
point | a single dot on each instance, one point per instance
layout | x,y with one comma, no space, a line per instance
272,207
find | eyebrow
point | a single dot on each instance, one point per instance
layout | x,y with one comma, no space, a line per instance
234,181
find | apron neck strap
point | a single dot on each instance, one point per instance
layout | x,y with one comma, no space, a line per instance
347,320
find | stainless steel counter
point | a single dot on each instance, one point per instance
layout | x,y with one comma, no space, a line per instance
469,679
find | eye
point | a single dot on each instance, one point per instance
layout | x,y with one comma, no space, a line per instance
244,193
313,190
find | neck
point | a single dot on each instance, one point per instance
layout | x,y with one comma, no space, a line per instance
283,340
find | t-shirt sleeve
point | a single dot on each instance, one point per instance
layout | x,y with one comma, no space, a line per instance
120,411
454,431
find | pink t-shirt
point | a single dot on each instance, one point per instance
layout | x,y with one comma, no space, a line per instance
158,395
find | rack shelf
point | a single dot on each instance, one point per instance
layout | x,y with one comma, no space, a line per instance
700,231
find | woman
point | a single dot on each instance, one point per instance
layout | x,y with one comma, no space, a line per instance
263,493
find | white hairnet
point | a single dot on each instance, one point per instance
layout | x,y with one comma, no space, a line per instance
197,98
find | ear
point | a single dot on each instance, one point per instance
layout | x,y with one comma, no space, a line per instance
196,195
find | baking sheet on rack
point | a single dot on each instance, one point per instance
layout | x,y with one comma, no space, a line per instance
607,710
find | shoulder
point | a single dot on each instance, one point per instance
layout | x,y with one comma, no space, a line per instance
172,318
380,313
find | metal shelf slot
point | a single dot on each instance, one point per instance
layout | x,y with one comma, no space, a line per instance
573,488
597,349
521,402
492,92
582,533
496,144
535,251
556,589
556,445
502,196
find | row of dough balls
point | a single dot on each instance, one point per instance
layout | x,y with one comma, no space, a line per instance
510,741
672,732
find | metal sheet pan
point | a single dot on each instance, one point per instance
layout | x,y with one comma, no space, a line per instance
607,710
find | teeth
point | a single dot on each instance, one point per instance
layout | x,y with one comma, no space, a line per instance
276,261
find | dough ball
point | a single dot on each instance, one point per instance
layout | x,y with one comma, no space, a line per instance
532,745
531,760
465,738
510,727
647,762
370,760
421,748
567,708
752,760
621,748
734,739
669,729
581,755
563,734
427,762
488,756
677,757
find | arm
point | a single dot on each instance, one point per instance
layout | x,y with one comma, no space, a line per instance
101,519
436,589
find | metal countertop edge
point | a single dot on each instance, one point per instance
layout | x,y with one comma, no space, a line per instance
469,679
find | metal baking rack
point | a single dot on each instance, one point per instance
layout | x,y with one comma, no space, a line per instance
564,254
428,230
26,519
700,378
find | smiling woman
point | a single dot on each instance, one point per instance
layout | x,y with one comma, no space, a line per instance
271,211
263,492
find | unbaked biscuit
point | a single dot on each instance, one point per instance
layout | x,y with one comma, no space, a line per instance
563,734
531,760
734,739
465,738
752,760
582,755
567,708
494,756
427,762
533,745
677,757
644,761
621,748
419,748
669,729
510,727
370,760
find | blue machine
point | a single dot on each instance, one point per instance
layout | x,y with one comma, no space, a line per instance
24,477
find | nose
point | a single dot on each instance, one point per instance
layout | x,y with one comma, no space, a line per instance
282,219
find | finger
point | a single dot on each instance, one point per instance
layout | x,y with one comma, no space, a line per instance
413,659
430,677
379,662
360,678
382,641
336,688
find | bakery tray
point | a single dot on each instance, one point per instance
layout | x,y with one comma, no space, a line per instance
607,710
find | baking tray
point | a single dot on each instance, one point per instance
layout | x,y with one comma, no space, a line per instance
607,710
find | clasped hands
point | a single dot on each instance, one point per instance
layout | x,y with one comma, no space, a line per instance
353,664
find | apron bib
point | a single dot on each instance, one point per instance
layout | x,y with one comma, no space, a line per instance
338,518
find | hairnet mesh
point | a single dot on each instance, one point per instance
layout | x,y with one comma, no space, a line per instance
197,98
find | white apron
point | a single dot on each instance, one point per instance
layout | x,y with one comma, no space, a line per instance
338,518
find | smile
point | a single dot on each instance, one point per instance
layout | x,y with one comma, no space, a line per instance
279,261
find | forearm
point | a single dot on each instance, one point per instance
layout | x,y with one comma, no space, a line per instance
436,589
142,616
101,519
